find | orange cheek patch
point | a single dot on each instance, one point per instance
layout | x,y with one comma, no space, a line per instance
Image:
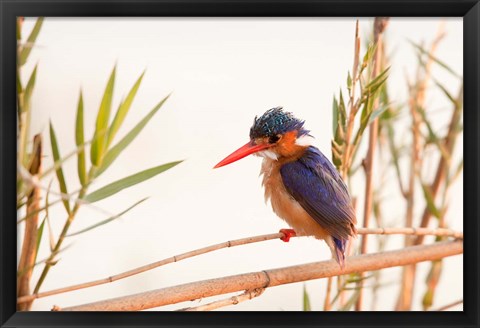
287,144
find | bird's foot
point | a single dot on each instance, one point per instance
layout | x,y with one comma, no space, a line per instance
287,234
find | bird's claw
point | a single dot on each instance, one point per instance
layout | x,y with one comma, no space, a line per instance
287,234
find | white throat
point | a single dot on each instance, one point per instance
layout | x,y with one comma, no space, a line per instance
305,140
267,153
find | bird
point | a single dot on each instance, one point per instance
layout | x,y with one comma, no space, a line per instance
303,186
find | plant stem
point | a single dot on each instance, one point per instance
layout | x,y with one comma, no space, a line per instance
29,244
64,232
56,249
380,24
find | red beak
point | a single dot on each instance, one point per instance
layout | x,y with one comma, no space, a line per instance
241,152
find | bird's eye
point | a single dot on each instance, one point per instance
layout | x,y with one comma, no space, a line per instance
274,139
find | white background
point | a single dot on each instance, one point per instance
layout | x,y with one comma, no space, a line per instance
222,73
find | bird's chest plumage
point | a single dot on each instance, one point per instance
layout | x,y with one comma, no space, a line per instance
284,205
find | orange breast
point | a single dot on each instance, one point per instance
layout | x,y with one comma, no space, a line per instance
285,206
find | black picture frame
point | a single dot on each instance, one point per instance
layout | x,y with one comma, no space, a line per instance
9,10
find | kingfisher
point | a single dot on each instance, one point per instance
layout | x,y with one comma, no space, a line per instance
303,186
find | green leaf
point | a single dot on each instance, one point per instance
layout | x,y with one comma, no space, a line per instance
349,82
79,141
306,300
58,163
364,119
342,109
97,151
26,49
334,116
431,282
110,219
373,85
21,202
395,154
123,110
41,209
29,90
355,278
457,171
427,193
435,59
59,170
19,87
445,91
368,54
377,113
433,137
129,181
39,238
365,112
116,150
47,218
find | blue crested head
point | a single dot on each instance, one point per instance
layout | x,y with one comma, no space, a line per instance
276,134
276,122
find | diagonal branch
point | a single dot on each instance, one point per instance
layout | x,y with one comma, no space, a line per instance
232,243
273,277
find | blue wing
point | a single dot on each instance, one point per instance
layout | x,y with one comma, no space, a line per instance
315,183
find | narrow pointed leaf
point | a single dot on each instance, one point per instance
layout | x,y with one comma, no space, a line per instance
378,80
47,218
349,82
116,150
376,113
445,91
342,109
26,49
123,110
59,163
79,140
306,300
41,209
19,88
395,155
435,59
59,170
20,273
21,202
430,201
29,90
365,111
433,137
334,116
129,181
39,238
110,219
432,280
355,278
97,151
457,171
368,55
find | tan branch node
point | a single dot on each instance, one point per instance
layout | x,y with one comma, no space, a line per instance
234,300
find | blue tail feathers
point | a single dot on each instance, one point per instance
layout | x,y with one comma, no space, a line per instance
340,248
